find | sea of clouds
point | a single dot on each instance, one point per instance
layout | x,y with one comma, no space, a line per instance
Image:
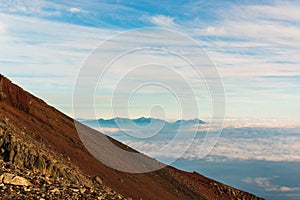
256,141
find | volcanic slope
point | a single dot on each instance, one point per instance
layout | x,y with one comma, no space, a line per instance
37,137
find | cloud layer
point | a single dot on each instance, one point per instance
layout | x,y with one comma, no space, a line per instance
242,143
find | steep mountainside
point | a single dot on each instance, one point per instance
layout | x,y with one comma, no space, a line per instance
35,138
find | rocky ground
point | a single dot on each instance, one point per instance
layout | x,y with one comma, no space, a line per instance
25,184
28,170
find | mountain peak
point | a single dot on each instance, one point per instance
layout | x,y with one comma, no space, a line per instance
194,121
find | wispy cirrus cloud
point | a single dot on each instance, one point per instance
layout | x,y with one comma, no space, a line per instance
35,7
47,54
248,42
271,11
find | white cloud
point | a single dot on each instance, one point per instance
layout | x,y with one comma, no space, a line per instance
108,130
163,21
75,10
265,182
289,189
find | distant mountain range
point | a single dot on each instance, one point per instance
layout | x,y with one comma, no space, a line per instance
141,122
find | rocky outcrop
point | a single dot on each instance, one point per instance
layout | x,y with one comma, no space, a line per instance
28,170
17,183
25,155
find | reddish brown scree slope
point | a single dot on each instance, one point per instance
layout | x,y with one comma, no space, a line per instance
57,131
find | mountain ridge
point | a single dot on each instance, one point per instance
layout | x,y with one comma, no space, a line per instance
141,121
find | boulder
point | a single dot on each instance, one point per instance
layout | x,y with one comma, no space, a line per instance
12,179
98,180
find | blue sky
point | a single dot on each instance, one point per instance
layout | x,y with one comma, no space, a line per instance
254,44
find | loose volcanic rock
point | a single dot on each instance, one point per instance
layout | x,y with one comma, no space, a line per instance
12,179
